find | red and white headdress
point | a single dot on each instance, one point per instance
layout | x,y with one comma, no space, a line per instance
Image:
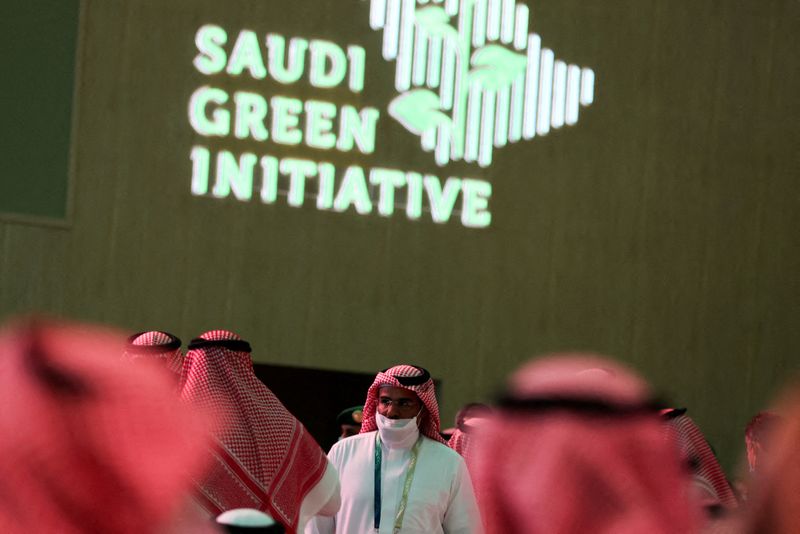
774,498
709,479
468,421
577,446
88,444
414,379
157,345
460,442
265,458
757,436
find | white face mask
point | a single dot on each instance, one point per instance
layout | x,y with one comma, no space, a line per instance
397,432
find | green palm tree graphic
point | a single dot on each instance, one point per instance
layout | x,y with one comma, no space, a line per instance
471,78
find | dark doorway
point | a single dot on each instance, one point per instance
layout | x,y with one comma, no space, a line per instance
316,396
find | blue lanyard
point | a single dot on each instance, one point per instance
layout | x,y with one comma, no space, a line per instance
412,465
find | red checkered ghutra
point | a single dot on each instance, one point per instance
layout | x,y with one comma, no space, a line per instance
265,458
707,472
161,346
88,444
426,392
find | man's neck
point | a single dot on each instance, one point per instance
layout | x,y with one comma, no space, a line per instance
405,443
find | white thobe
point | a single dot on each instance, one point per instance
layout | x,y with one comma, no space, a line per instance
441,499
323,499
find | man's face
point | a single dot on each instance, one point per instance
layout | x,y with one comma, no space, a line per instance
398,403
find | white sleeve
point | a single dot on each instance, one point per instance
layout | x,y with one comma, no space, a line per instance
462,516
323,499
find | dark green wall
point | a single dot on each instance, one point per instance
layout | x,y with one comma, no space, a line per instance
38,40
662,228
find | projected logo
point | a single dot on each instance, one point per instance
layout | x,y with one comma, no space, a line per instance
471,78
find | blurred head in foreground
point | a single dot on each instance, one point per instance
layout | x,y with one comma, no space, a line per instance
774,497
577,445
88,444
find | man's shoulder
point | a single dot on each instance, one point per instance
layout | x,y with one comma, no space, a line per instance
352,443
442,463
442,451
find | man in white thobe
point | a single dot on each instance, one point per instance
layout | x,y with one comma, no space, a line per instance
424,486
